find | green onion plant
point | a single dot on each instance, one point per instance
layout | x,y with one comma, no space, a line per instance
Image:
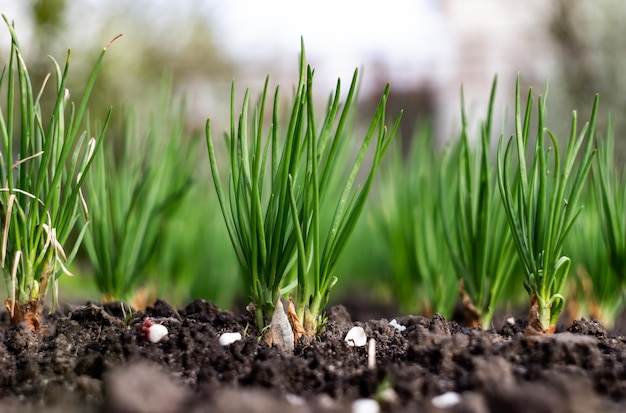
595,291
607,220
476,228
541,202
277,187
133,192
408,218
609,184
44,160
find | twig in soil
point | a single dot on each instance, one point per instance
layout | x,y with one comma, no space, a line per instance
371,354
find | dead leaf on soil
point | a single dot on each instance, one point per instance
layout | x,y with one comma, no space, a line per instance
471,315
296,326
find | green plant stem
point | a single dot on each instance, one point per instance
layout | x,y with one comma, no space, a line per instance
133,193
408,219
541,211
41,196
277,220
478,236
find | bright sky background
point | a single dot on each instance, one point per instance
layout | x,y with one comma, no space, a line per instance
360,27
408,42
410,36
339,35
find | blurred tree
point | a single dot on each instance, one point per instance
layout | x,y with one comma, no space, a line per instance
186,50
591,45
156,44
47,16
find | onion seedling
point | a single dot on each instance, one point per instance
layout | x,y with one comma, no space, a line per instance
480,242
597,291
600,242
132,193
408,217
40,181
541,203
277,188
609,186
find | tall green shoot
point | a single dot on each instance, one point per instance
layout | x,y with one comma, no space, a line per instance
277,187
609,184
609,221
597,291
40,181
541,203
408,218
477,235
318,250
133,191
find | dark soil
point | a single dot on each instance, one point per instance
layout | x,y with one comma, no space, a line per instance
90,360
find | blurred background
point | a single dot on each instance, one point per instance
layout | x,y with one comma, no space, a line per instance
427,49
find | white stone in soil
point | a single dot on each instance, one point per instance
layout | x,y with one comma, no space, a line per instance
446,400
356,337
294,399
229,338
365,406
393,323
280,329
156,332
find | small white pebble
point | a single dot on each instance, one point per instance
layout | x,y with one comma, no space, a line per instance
511,321
356,337
365,406
393,323
325,402
229,338
294,400
156,332
446,400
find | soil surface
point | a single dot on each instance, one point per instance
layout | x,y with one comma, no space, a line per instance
92,358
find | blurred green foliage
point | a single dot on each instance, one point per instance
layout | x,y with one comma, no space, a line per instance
598,245
408,219
132,193
182,45
590,55
198,261
478,236
48,16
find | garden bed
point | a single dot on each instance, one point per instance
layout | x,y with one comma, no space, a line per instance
91,358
